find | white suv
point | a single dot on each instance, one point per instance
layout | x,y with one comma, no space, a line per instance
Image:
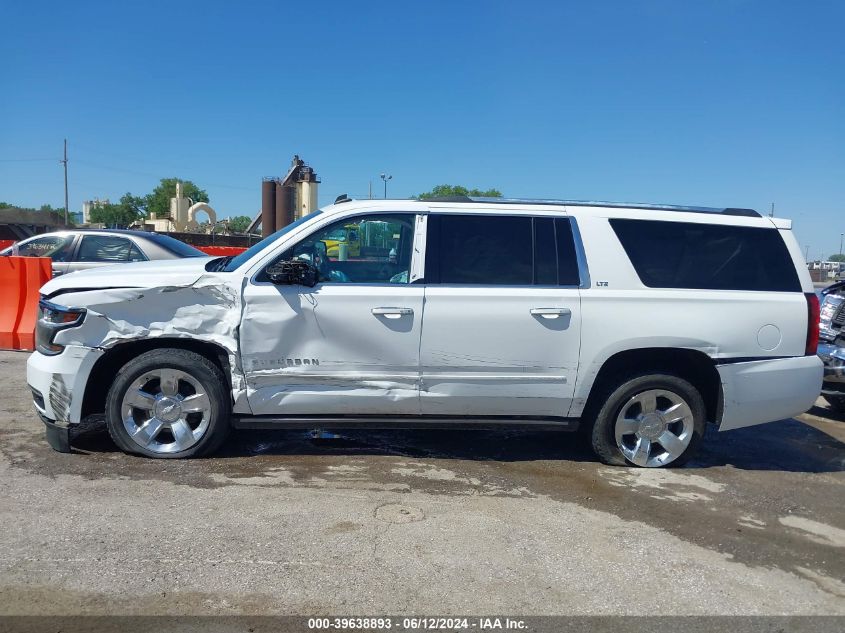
640,323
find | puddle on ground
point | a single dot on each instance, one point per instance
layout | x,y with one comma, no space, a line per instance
730,499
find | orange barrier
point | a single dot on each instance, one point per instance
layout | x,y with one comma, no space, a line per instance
6,244
221,251
20,280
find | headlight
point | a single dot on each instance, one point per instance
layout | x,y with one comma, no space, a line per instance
54,318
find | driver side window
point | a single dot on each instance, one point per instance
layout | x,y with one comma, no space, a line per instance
361,249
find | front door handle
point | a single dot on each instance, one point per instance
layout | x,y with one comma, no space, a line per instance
550,313
392,313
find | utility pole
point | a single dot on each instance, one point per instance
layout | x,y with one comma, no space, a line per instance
772,212
371,189
841,235
64,162
807,253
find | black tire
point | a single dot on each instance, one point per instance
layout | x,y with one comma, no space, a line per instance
197,368
619,394
837,404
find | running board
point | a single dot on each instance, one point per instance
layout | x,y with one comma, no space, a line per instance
264,422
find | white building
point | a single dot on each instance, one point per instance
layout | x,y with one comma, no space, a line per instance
91,204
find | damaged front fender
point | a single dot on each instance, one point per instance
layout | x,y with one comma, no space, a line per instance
209,310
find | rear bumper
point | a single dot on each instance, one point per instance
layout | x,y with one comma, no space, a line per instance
833,357
767,390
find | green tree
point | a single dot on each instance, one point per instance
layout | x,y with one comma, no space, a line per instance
836,258
158,201
239,224
128,210
133,204
449,191
58,213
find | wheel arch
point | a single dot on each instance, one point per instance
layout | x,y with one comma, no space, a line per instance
108,365
694,366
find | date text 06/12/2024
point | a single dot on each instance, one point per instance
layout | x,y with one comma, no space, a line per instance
416,623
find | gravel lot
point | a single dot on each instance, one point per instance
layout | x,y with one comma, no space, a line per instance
419,522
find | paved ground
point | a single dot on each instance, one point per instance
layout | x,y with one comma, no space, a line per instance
419,522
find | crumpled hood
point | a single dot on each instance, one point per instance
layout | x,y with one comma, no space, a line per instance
165,272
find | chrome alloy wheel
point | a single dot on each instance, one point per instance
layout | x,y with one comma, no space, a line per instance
654,428
166,410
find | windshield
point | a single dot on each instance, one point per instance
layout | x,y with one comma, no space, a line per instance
337,234
256,248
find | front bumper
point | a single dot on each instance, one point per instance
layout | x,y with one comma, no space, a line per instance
58,435
833,357
58,387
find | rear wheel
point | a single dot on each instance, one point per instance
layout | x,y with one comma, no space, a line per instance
168,403
649,421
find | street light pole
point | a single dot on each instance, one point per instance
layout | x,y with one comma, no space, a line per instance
64,162
385,178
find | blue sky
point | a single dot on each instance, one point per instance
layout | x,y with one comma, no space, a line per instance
735,102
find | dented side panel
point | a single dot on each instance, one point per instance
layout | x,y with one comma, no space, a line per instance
323,350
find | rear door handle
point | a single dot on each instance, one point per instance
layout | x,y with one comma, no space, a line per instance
550,313
392,313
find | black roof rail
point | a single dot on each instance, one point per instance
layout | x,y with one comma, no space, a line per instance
750,213
449,199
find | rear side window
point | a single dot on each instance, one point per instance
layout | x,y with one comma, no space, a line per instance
494,251
135,254
500,251
104,248
707,256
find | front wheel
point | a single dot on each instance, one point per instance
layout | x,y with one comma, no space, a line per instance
168,403
650,421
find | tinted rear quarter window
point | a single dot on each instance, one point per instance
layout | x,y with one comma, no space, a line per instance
707,256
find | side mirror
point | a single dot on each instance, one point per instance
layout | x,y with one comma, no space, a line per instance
293,272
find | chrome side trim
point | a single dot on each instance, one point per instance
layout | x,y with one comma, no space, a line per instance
398,422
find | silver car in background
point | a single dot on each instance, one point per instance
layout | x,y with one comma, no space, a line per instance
82,249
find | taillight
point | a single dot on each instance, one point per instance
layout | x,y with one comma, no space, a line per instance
813,316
